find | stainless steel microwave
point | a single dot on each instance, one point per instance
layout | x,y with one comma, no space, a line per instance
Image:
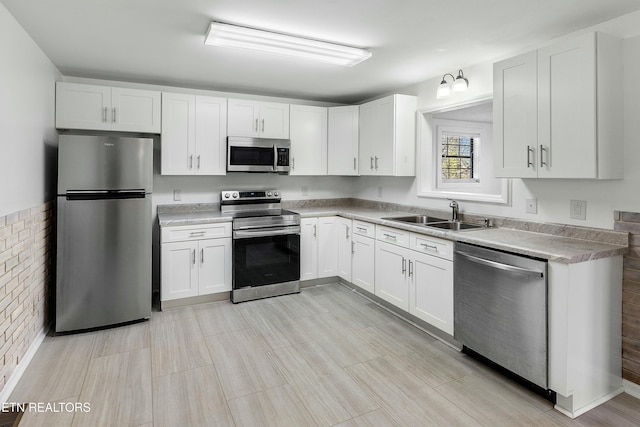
258,155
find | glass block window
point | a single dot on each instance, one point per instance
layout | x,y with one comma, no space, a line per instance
459,157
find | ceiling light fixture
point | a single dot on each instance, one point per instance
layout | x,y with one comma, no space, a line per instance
227,35
460,84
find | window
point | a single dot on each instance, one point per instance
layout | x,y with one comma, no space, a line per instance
459,161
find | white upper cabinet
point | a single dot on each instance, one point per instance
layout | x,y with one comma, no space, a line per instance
258,119
93,107
578,122
308,140
342,151
388,136
194,131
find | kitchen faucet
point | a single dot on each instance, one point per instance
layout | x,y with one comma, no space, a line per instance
454,214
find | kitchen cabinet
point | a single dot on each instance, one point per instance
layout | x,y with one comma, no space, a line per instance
94,107
387,136
258,119
195,260
362,255
308,133
343,134
194,131
574,86
391,266
318,247
344,231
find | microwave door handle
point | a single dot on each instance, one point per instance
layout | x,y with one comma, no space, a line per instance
275,157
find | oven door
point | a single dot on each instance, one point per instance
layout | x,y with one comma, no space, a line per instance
264,257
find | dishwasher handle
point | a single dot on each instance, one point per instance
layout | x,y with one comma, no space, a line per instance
499,265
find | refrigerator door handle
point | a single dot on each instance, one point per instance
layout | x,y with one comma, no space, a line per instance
104,194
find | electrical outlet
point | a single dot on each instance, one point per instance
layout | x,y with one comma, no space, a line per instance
379,191
304,190
177,195
531,206
578,209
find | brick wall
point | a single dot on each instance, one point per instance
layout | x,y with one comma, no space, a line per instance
25,269
628,221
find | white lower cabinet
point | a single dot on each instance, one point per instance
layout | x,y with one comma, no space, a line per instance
362,260
344,230
318,247
391,279
195,260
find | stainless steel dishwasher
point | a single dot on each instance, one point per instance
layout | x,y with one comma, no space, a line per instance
500,309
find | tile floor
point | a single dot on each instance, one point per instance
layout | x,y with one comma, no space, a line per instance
324,357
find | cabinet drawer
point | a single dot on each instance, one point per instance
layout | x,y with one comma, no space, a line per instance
364,228
393,235
432,246
195,232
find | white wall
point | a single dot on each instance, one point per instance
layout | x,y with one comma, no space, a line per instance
602,197
28,140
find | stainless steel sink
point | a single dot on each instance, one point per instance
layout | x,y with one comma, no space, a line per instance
454,225
416,219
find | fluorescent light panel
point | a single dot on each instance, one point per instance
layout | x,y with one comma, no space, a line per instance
228,35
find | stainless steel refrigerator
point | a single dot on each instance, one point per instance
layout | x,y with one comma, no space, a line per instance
104,231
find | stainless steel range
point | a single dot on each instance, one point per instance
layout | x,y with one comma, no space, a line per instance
266,245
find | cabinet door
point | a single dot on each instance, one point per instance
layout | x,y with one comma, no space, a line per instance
178,134
274,120
308,248
243,117
384,143
179,270
368,137
342,145
391,266
215,266
135,110
363,258
80,106
431,290
211,136
515,117
343,231
567,109
327,246
308,140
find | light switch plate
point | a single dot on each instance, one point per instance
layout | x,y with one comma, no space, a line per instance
379,191
304,190
578,209
531,206
177,195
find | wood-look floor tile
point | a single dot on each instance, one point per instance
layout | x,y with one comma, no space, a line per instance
299,305
118,387
337,339
190,398
38,418
242,363
172,314
406,398
347,295
326,390
274,327
218,317
377,418
121,339
489,403
357,316
177,346
277,407
57,370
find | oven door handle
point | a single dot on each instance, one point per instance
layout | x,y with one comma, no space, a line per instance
499,265
248,234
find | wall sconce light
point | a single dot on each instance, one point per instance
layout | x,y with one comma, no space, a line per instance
460,84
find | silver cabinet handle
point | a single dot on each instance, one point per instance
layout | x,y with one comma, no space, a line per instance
346,232
390,236
197,233
191,161
371,163
361,229
376,163
404,265
410,268
202,256
315,231
353,247
198,162
432,247
104,114
256,125
262,125
529,151
293,163
354,163
114,115
542,162
193,258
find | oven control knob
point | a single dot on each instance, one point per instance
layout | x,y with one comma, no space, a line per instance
235,195
227,195
275,194
269,194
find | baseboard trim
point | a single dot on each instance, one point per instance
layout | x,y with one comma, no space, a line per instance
586,408
631,388
13,380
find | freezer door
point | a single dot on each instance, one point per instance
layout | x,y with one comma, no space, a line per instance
104,163
104,261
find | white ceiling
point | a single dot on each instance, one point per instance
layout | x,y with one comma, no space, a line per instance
162,41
